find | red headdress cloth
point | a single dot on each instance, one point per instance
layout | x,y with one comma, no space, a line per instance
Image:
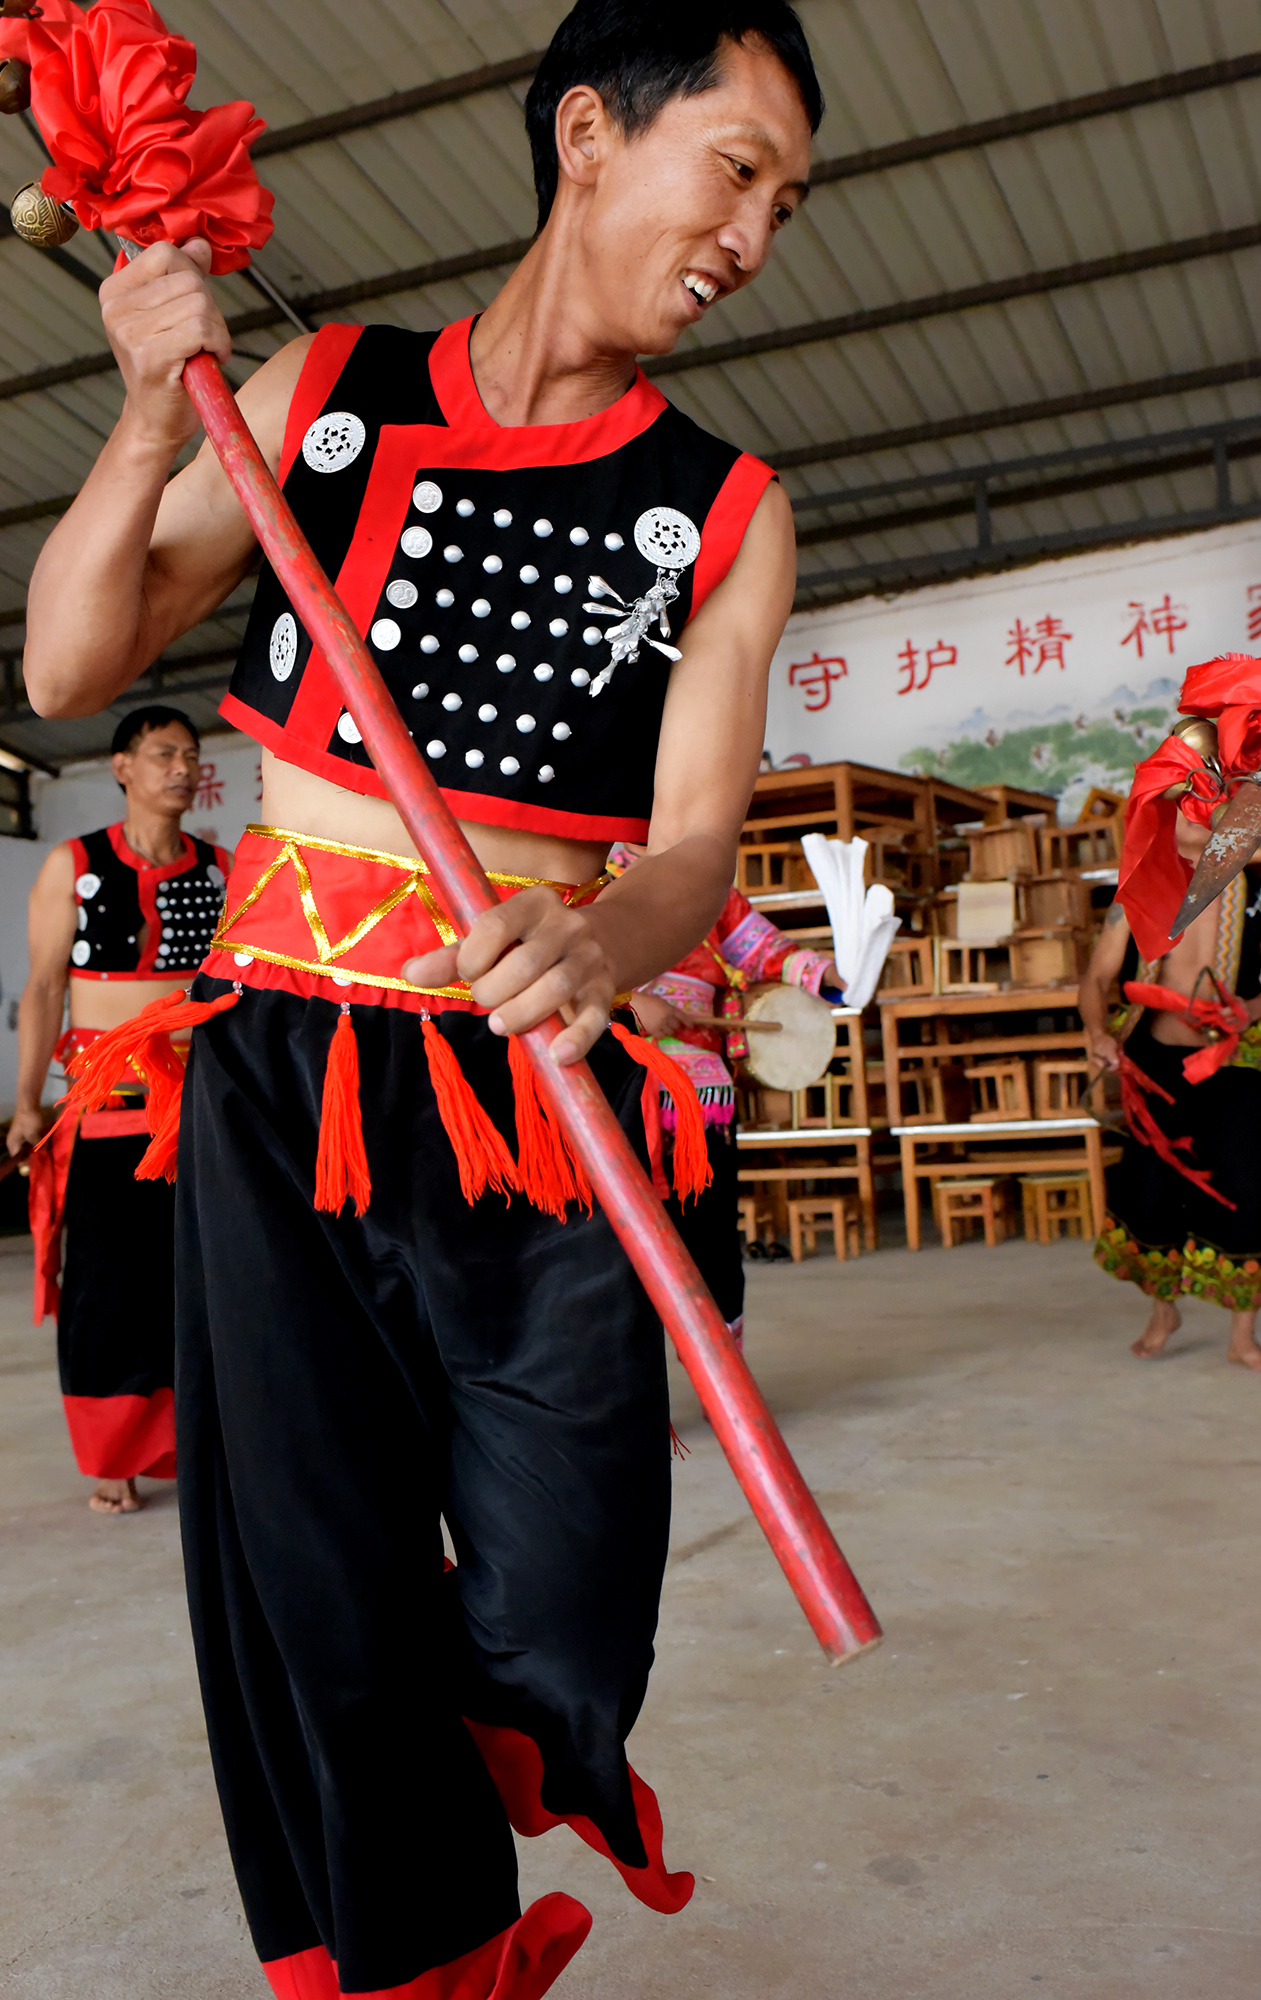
107,91
1153,876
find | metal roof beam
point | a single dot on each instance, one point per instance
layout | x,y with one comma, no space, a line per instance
902,312
399,104
850,166
1040,118
995,291
864,444
1192,458
839,586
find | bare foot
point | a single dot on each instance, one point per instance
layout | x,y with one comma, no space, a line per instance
1165,1320
119,1496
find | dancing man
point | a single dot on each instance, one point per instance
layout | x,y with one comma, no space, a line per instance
574,594
120,917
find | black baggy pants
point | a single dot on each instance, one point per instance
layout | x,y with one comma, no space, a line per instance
341,1385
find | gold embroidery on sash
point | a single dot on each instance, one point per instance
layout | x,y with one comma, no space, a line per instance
414,883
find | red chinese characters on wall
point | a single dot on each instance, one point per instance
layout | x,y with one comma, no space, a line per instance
940,655
1043,643
209,787
1254,613
1163,621
814,677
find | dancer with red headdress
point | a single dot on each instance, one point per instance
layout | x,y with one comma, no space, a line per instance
574,594
1184,1201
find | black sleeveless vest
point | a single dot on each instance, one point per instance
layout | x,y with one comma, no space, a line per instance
139,919
521,589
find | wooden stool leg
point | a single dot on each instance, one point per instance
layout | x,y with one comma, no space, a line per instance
794,1232
838,1231
987,1216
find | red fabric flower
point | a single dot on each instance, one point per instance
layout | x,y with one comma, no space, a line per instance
1153,876
107,91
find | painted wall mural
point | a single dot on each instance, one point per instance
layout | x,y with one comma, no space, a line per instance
1054,678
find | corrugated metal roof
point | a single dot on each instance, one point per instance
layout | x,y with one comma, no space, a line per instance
455,179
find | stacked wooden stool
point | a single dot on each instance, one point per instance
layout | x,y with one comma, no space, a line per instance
1056,1205
983,1198
839,1213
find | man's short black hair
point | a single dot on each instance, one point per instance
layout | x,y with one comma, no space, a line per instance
640,53
142,720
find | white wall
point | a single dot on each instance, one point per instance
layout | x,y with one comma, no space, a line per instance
1082,711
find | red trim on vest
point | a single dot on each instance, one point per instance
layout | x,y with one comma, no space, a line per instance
148,875
473,442
363,778
515,1762
726,523
504,447
522,1963
123,1437
327,356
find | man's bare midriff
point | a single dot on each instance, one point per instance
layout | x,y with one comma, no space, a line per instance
301,803
1180,969
106,1003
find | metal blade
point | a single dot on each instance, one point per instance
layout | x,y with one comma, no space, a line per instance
1230,849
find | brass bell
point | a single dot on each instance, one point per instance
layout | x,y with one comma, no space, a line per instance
15,87
40,220
1198,733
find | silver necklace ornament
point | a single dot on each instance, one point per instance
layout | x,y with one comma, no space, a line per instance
672,542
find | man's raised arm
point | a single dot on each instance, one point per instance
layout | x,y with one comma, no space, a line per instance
140,557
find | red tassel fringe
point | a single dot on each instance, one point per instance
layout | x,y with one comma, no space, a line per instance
144,1045
481,1155
341,1164
549,1173
1136,1086
692,1171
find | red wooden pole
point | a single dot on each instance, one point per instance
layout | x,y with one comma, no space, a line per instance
825,1586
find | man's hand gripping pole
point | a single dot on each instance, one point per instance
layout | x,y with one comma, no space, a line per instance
822,1580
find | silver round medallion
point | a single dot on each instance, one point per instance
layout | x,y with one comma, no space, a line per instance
80,951
348,728
416,543
334,441
215,874
282,650
667,538
385,635
87,886
401,594
427,497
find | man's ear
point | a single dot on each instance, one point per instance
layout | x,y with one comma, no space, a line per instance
119,765
583,134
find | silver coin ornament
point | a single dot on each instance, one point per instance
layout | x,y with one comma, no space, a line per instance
427,496
667,538
348,728
416,543
86,886
80,951
282,651
334,441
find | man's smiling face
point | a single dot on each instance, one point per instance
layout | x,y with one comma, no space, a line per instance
684,213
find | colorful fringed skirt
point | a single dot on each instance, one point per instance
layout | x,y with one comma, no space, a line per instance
364,1354
1165,1233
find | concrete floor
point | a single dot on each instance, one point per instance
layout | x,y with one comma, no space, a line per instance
1048,1776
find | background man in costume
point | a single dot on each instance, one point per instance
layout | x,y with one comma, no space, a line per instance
1184,1201
742,949
118,916
574,595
